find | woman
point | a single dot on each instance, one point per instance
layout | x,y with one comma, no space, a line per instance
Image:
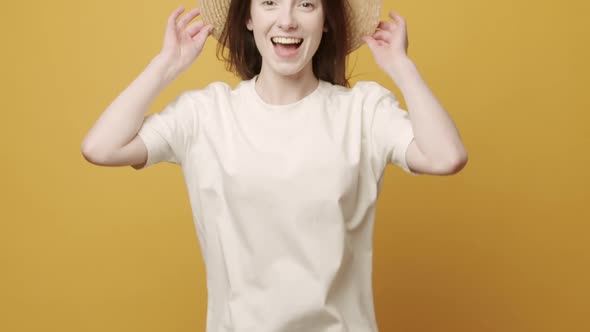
284,170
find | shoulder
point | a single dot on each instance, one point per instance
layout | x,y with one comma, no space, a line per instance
206,97
364,91
211,90
371,88
360,87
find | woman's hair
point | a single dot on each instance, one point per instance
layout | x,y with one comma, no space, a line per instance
244,59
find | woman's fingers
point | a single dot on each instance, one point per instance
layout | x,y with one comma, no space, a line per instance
398,18
172,18
187,18
194,28
382,35
387,25
201,36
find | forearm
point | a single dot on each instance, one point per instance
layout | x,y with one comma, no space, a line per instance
435,132
121,121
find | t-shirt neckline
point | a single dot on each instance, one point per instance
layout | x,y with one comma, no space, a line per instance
283,107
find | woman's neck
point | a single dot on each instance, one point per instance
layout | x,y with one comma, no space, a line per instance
278,89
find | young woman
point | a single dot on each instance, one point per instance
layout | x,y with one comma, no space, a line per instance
284,170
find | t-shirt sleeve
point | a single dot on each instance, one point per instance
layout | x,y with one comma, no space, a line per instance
168,135
390,130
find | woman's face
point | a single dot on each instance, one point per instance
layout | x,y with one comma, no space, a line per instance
300,20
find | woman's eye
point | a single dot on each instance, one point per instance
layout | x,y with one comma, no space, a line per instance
304,4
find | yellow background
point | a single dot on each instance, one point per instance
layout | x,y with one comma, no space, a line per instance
502,246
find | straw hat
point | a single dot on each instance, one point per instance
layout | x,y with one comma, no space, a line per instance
363,18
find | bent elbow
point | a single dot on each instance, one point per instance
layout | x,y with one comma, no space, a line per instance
458,164
91,155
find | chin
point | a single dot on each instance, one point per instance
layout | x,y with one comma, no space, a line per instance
288,69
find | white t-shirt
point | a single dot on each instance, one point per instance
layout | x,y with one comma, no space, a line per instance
283,199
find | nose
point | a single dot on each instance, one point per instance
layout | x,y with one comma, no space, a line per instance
286,19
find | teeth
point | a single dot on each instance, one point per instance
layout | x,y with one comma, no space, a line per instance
281,40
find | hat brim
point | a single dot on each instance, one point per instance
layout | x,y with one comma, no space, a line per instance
363,18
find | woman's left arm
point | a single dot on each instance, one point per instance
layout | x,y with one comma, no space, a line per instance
436,135
435,132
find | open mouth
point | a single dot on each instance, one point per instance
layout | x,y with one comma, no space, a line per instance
287,47
287,50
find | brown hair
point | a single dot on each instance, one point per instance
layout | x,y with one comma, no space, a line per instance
244,59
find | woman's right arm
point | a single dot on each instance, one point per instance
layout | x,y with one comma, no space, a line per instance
113,140
121,121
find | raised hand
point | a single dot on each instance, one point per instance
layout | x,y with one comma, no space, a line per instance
390,43
182,43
